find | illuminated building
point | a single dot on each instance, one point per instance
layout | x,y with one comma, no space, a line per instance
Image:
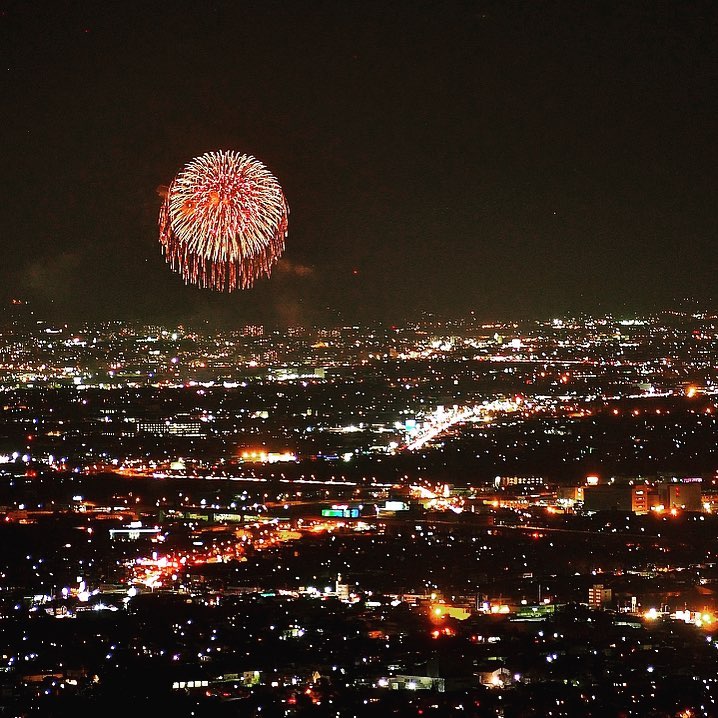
643,498
495,678
253,330
684,494
267,457
342,589
413,683
519,481
640,498
185,428
599,596
568,496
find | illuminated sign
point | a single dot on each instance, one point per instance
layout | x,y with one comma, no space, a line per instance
340,513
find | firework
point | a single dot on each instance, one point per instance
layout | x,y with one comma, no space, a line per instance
223,221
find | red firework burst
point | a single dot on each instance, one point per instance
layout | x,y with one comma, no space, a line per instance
223,221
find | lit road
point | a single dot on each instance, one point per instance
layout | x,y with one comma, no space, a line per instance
441,420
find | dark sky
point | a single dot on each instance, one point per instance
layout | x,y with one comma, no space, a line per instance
510,158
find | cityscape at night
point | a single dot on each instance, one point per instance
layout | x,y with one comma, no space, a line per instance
359,359
344,520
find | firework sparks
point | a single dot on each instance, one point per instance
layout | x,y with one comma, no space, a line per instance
223,221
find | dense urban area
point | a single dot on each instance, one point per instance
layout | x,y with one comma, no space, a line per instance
446,517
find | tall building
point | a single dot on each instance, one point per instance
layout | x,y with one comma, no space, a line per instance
599,596
342,589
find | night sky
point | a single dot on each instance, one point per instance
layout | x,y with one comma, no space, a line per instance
514,159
